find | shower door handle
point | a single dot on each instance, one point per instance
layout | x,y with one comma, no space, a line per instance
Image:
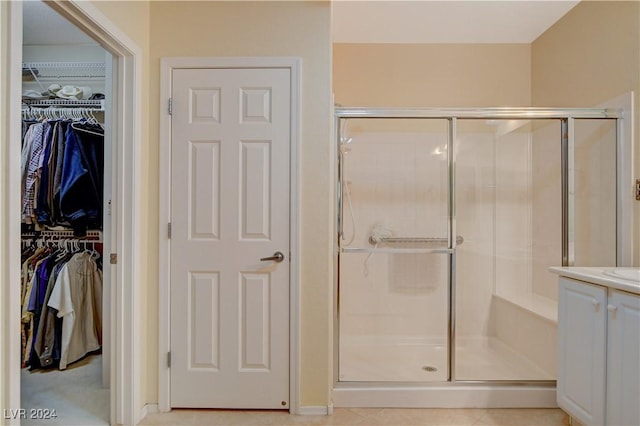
277,257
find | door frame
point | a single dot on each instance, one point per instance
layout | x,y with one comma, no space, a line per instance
126,371
167,65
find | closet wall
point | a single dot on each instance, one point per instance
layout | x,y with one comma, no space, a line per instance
48,37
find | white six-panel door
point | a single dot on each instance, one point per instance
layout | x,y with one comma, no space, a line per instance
230,143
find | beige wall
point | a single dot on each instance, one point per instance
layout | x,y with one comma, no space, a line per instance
432,75
133,18
549,72
588,57
244,29
299,29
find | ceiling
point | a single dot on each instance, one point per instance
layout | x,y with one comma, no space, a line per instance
43,26
376,21
453,21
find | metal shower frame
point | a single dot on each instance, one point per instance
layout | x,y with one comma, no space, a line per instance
567,117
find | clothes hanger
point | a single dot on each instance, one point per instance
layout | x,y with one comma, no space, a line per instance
92,118
63,250
73,125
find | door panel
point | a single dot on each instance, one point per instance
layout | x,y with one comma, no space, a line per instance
582,338
394,251
623,352
508,208
229,209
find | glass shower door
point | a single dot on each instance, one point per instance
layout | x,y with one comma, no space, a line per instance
394,255
508,206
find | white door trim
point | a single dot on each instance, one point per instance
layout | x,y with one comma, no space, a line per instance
10,130
125,321
167,65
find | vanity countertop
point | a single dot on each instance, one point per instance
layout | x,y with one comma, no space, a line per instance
619,278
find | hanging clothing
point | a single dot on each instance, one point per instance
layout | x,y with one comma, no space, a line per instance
61,307
48,338
31,151
43,202
35,304
62,175
62,187
29,268
81,181
76,296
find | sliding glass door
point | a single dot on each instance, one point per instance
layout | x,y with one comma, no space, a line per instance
394,250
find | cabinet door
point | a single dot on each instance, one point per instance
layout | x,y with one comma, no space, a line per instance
623,359
581,350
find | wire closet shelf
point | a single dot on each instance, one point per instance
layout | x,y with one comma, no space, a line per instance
64,70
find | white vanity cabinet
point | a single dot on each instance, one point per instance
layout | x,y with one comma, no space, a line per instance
598,353
582,345
623,359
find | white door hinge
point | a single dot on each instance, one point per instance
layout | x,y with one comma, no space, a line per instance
169,230
168,359
170,106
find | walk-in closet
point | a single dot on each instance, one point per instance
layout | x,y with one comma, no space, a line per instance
65,365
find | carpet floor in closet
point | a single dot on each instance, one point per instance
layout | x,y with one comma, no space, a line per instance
76,394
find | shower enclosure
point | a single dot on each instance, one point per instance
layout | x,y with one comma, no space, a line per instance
447,221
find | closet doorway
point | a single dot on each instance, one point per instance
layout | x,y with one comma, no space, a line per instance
66,363
120,225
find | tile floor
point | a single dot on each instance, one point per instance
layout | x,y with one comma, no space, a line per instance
365,417
84,402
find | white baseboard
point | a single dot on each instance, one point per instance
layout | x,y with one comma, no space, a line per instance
148,409
319,410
